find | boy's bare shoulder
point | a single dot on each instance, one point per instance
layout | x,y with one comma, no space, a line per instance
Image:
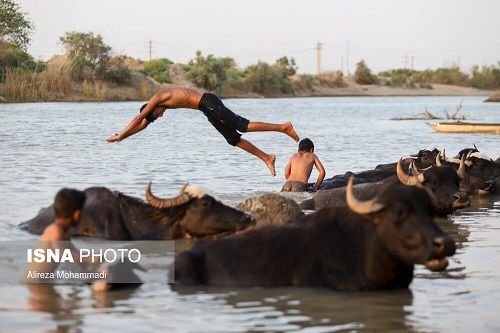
52,232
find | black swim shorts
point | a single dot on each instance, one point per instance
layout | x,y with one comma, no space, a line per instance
224,120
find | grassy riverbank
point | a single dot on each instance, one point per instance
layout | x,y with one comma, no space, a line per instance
55,84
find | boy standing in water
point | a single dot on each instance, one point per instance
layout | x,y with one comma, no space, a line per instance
299,168
68,206
224,120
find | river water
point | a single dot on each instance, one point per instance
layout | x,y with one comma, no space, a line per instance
46,146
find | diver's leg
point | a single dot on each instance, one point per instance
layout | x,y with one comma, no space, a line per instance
269,159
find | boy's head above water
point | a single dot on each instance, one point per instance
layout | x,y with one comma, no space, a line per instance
306,145
68,204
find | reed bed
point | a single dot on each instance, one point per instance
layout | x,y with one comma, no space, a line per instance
24,86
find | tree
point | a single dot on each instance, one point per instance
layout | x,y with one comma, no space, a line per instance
271,79
157,69
363,74
287,66
209,72
87,52
15,28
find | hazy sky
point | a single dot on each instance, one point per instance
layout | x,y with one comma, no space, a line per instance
433,32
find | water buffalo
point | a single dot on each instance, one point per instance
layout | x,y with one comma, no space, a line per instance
369,245
469,183
423,159
442,183
114,215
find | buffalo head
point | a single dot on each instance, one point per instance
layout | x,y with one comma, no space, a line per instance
203,215
403,217
442,185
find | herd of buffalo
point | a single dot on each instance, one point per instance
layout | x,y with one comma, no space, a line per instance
367,231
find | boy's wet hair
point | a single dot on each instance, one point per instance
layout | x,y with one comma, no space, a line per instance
306,145
67,201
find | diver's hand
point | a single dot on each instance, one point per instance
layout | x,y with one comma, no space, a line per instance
114,138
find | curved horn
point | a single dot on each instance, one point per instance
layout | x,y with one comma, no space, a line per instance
154,201
361,207
444,154
415,171
438,159
461,168
475,147
403,177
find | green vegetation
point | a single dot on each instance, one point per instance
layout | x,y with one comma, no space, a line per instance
158,69
209,72
263,78
91,59
363,74
488,77
15,32
15,28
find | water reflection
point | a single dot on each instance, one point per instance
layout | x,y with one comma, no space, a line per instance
63,310
319,310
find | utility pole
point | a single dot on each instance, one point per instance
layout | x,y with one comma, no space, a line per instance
412,60
318,57
150,48
347,56
342,64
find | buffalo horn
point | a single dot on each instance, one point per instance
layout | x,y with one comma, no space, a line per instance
154,201
415,171
461,168
438,159
403,177
361,207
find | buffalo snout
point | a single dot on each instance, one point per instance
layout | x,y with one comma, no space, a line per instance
460,200
444,246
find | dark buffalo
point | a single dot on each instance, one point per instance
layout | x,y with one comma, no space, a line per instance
366,246
422,160
442,184
114,215
469,183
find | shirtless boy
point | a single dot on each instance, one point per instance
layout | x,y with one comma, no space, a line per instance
224,120
299,167
68,205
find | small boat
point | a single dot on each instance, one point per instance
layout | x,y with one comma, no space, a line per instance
463,127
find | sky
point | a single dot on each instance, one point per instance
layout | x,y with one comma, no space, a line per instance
387,34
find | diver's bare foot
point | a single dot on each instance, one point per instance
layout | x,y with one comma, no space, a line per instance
270,164
290,131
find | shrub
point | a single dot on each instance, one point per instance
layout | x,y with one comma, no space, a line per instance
12,56
158,69
486,78
115,71
268,79
363,74
332,80
451,75
209,72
